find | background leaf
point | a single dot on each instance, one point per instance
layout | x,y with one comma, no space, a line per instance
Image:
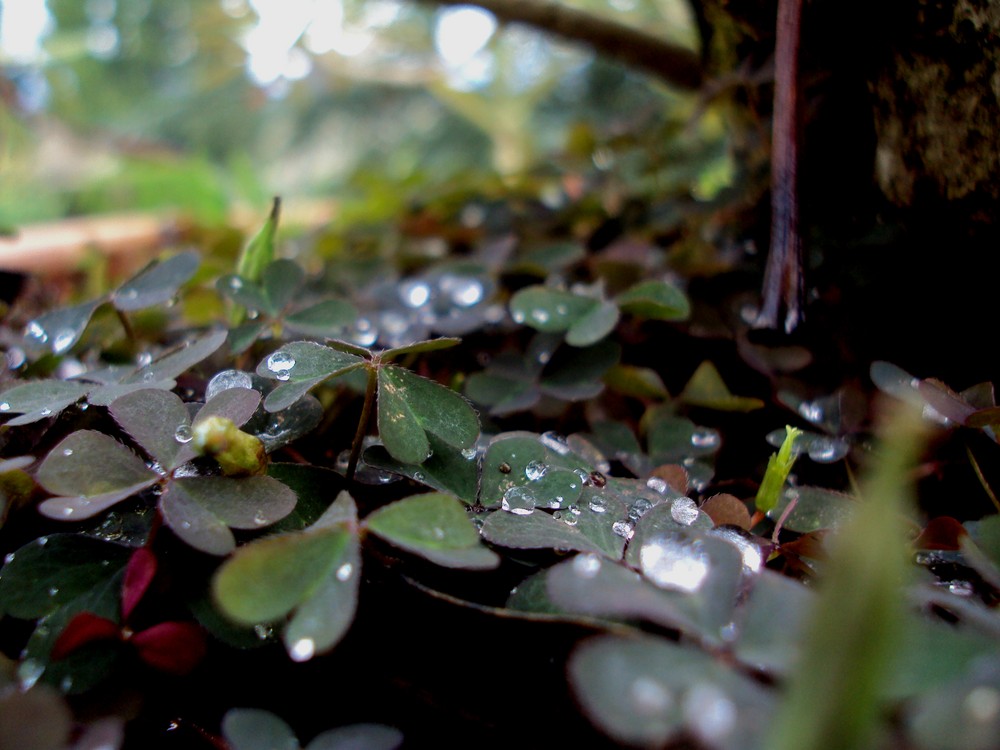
60,329
157,283
655,299
40,399
255,729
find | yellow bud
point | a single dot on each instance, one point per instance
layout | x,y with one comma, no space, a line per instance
237,453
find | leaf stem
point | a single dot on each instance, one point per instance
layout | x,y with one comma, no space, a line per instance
126,325
366,414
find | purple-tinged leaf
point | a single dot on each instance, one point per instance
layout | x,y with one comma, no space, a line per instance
60,329
156,283
180,360
88,463
156,420
40,399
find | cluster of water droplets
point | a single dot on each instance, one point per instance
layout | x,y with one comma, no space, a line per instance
823,449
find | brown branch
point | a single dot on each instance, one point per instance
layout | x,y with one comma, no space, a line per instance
672,63
783,275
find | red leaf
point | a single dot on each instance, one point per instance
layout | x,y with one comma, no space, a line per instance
941,533
172,647
84,628
138,575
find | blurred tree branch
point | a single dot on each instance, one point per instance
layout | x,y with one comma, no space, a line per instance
672,63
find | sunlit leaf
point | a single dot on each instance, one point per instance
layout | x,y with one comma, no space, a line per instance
655,299
409,406
322,319
157,283
299,366
60,329
434,526
40,399
707,389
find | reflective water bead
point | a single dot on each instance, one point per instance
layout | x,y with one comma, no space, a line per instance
811,411
45,412
684,511
750,552
657,485
414,293
674,562
282,375
623,529
15,358
982,704
344,572
535,470
555,442
4,406
649,696
540,316
518,316
226,379
574,509
704,437
709,713
598,505
639,508
236,283
586,565
36,332
438,533
8,558
464,292
303,649
53,590
518,500
280,361
569,519
63,340
469,453
183,433
419,476
826,450
263,632
260,518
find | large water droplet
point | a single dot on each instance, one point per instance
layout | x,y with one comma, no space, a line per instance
469,453
587,565
364,333
709,713
35,332
554,442
684,511
263,632
518,500
639,508
598,505
657,485
826,450
226,379
673,561
623,528
183,433
4,406
67,452
811,411
344,571
461,290
649,696
540,316
303,649
260,518
280,362
414,293
63,340
750,551
535,470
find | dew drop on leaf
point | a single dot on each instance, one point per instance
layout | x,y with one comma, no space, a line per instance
540,316
183,433
280,362
587,565
649,696
684,511
303,649
639,508
344,572
53,590
45,412
36,332
674,562
469,453
518,500
263,632
704,437
709,713
67,451
623,529
599,505
8,558
63,340
4,406
555,442
414,293
825,450
535,470
226,379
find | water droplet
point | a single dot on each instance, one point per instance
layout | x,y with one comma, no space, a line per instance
235,283
811,411
587,565
657,485
419,476
183,433
280,362
364,333
45,412
597,479
673,561
68,510
540,316
8,558
28,673
438,533
260,519
518,316
463,291
961,588
555,442
344,571
415,293
282,375
750,552
42,541
226,379
826,450
15,358
263,632
185,524
535,470
982,704
544,357
4,406
598,505
704,437
562,309
709,713
504,468
569,519
623,529
67,451
639,508
132,294
574,509
63,340
684,511
53,590
36,332
303,649
649,696
518,500
66,683
469,453
148,377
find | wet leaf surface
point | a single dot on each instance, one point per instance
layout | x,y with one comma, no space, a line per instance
157,283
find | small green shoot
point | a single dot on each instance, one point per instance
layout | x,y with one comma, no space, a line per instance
779,465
